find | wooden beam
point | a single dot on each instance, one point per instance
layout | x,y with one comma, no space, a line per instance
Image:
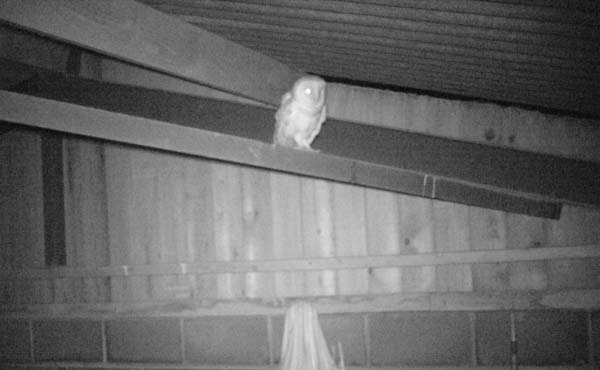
136,33
59,365
312,264
424,301
232,119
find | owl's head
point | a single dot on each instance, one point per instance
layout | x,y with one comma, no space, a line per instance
310,90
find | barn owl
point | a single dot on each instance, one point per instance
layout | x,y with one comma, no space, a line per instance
301,114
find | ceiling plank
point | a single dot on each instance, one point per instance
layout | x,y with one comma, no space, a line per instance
181,138
136,33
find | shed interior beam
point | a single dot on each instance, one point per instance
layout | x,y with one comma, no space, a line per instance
213,129
133,32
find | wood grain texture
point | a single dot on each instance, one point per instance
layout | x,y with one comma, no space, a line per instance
124,234
432,301
287,231
350,235
318,233
141,35
347,160
451,233
383,237
257,233
86,217
227,198
21,215
416,232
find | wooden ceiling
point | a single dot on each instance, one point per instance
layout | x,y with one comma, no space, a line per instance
538,53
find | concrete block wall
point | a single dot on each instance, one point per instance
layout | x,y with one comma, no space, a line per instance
384,339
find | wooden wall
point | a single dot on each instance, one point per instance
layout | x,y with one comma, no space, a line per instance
129,206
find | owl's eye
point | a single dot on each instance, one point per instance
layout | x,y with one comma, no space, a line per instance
307,91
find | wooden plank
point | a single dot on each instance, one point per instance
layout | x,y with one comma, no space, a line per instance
416,233
32,111
164,173
200,238
350,235
451,233
459,163
86,214
314,264
21,215
286,203
97,365
523,232
138,34
576,226
257,241
122,220
433,301
318,234
487,231
54,202
227,198
383,220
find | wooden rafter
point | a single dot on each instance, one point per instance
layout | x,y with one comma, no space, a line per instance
400,161
136,33
214,136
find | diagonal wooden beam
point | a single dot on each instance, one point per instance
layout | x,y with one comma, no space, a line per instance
463,171
136,33
179,138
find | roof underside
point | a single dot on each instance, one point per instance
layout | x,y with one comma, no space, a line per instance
536,53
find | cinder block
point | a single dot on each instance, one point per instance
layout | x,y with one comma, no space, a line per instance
552,338
144,340
410,338
493,338
348,329
14,340
227,340
67,340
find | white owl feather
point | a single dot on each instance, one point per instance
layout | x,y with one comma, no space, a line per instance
301,114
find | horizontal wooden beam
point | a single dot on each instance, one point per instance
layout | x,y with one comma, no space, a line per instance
60,365
583,299
136,33
312,264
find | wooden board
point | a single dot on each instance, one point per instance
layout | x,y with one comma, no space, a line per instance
215,145
86,223
257,243
383,237
287,231
451,233
318,233
227,198
350,235
139,34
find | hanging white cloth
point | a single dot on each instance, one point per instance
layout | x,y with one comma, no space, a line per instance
304,346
